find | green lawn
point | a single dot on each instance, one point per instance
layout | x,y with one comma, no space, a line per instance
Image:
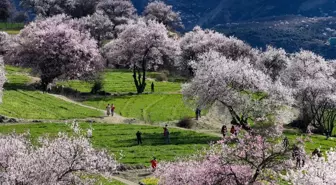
21,102
148,107
121,81
121,140
317,141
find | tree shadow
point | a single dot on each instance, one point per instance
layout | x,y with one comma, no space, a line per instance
176,138
20,86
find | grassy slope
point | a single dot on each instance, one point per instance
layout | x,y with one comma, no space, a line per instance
20,102
121,81
121,140
149,107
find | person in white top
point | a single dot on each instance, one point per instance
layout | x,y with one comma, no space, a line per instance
108,109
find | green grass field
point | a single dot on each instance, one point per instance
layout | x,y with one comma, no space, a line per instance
121,81
147,107
11,28
121,140
20,102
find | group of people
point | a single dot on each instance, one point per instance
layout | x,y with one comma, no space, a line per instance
234,130
166,136
110,110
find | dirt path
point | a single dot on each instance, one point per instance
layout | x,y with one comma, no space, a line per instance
106,119
125,181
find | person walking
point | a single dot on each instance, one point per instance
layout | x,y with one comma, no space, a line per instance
198,113
166,134
224,130
152,87
153,163
108,109
138,135
232,131
112,109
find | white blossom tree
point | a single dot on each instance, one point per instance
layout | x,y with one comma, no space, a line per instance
62,160
5,9
239,85
163,13
120,12
142,46
99,25
197,42
313,82
56,48
2,77
316,171
49,8
4,42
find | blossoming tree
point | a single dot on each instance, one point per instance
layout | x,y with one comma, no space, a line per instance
250,161
4,42
163,13
2,77
198,41
142,46
5,10
245,90
63,160
120,12
316,171
312,79
56,48
99,25
49,8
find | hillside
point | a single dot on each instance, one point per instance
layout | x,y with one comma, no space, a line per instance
287,24
213,12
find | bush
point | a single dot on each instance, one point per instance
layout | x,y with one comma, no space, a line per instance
97,86
186,123
161,77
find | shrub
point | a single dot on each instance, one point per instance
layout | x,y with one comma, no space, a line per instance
161,77
186,123
97,86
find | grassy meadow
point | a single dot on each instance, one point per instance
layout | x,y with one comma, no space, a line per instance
147,107
20,101
121,140
121,81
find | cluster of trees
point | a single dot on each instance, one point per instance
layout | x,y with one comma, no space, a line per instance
8,12
67,42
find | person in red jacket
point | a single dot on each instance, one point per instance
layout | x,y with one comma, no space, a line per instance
233,130
112,109
154,163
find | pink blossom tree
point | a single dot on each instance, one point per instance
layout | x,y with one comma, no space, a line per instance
62,160
142,46
253,160
163,13
56,48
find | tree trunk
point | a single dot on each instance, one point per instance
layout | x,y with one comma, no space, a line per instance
139,80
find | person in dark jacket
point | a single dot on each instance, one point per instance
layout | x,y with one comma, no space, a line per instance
138,135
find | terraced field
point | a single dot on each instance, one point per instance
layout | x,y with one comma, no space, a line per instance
121,140
20,101
121,81
148,107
